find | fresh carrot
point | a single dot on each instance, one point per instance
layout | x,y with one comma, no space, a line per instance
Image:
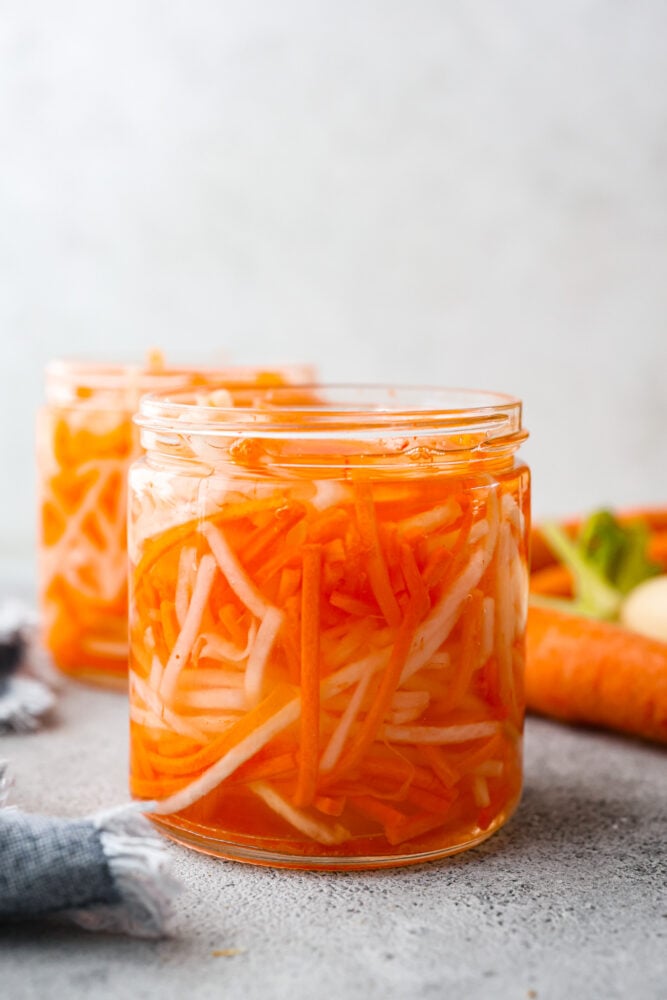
582,670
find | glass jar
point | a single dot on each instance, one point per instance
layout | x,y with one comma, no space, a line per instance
327,614
86,442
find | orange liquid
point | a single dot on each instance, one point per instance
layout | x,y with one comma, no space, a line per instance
331,674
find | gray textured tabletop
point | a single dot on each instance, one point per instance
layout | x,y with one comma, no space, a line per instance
567,901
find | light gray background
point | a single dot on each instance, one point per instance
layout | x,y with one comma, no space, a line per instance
465,192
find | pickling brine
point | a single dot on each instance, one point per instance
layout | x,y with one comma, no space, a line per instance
327,618
86,443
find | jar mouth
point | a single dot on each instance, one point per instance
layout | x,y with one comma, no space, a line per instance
312,410
68,380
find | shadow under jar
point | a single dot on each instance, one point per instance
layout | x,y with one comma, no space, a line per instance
327,614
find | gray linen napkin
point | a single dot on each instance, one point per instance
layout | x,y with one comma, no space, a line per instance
26,678
104,873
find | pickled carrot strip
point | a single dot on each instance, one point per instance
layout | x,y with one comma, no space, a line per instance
330,805
229,617
259,654
410,827
382,700
209,677
322,833
430,520
379,811
169,623
281,766
413,579
377,568
289,584
233,572
180,652
186,571
336,743
310,677
351,604
244,740
441,765
439,734
430,801
329,525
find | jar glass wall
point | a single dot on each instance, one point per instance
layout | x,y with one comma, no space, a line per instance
86,443
327,614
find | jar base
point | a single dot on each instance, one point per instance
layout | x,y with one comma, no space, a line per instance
246,854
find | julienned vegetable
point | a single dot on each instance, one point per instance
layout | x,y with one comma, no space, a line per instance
583,669
326,658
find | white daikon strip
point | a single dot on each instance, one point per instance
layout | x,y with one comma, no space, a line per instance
174,722
512,512
318,830
144,717
212,699
410,699
402,716
186,571
352,673
328,492
259,654
335,745
480,792
202,677
232,760
437,626
490,769
431,520
180,654
406,706
504,625
157,669
113,648
233,572
478,531
214,647
439,734
519,582
215,724
486,643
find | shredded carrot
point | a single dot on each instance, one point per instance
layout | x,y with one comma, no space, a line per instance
310,677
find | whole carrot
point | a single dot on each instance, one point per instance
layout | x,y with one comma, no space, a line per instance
582,670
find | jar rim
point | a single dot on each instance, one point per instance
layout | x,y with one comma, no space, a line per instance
65,374
343,408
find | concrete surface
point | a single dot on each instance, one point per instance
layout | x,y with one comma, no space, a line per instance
568,901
